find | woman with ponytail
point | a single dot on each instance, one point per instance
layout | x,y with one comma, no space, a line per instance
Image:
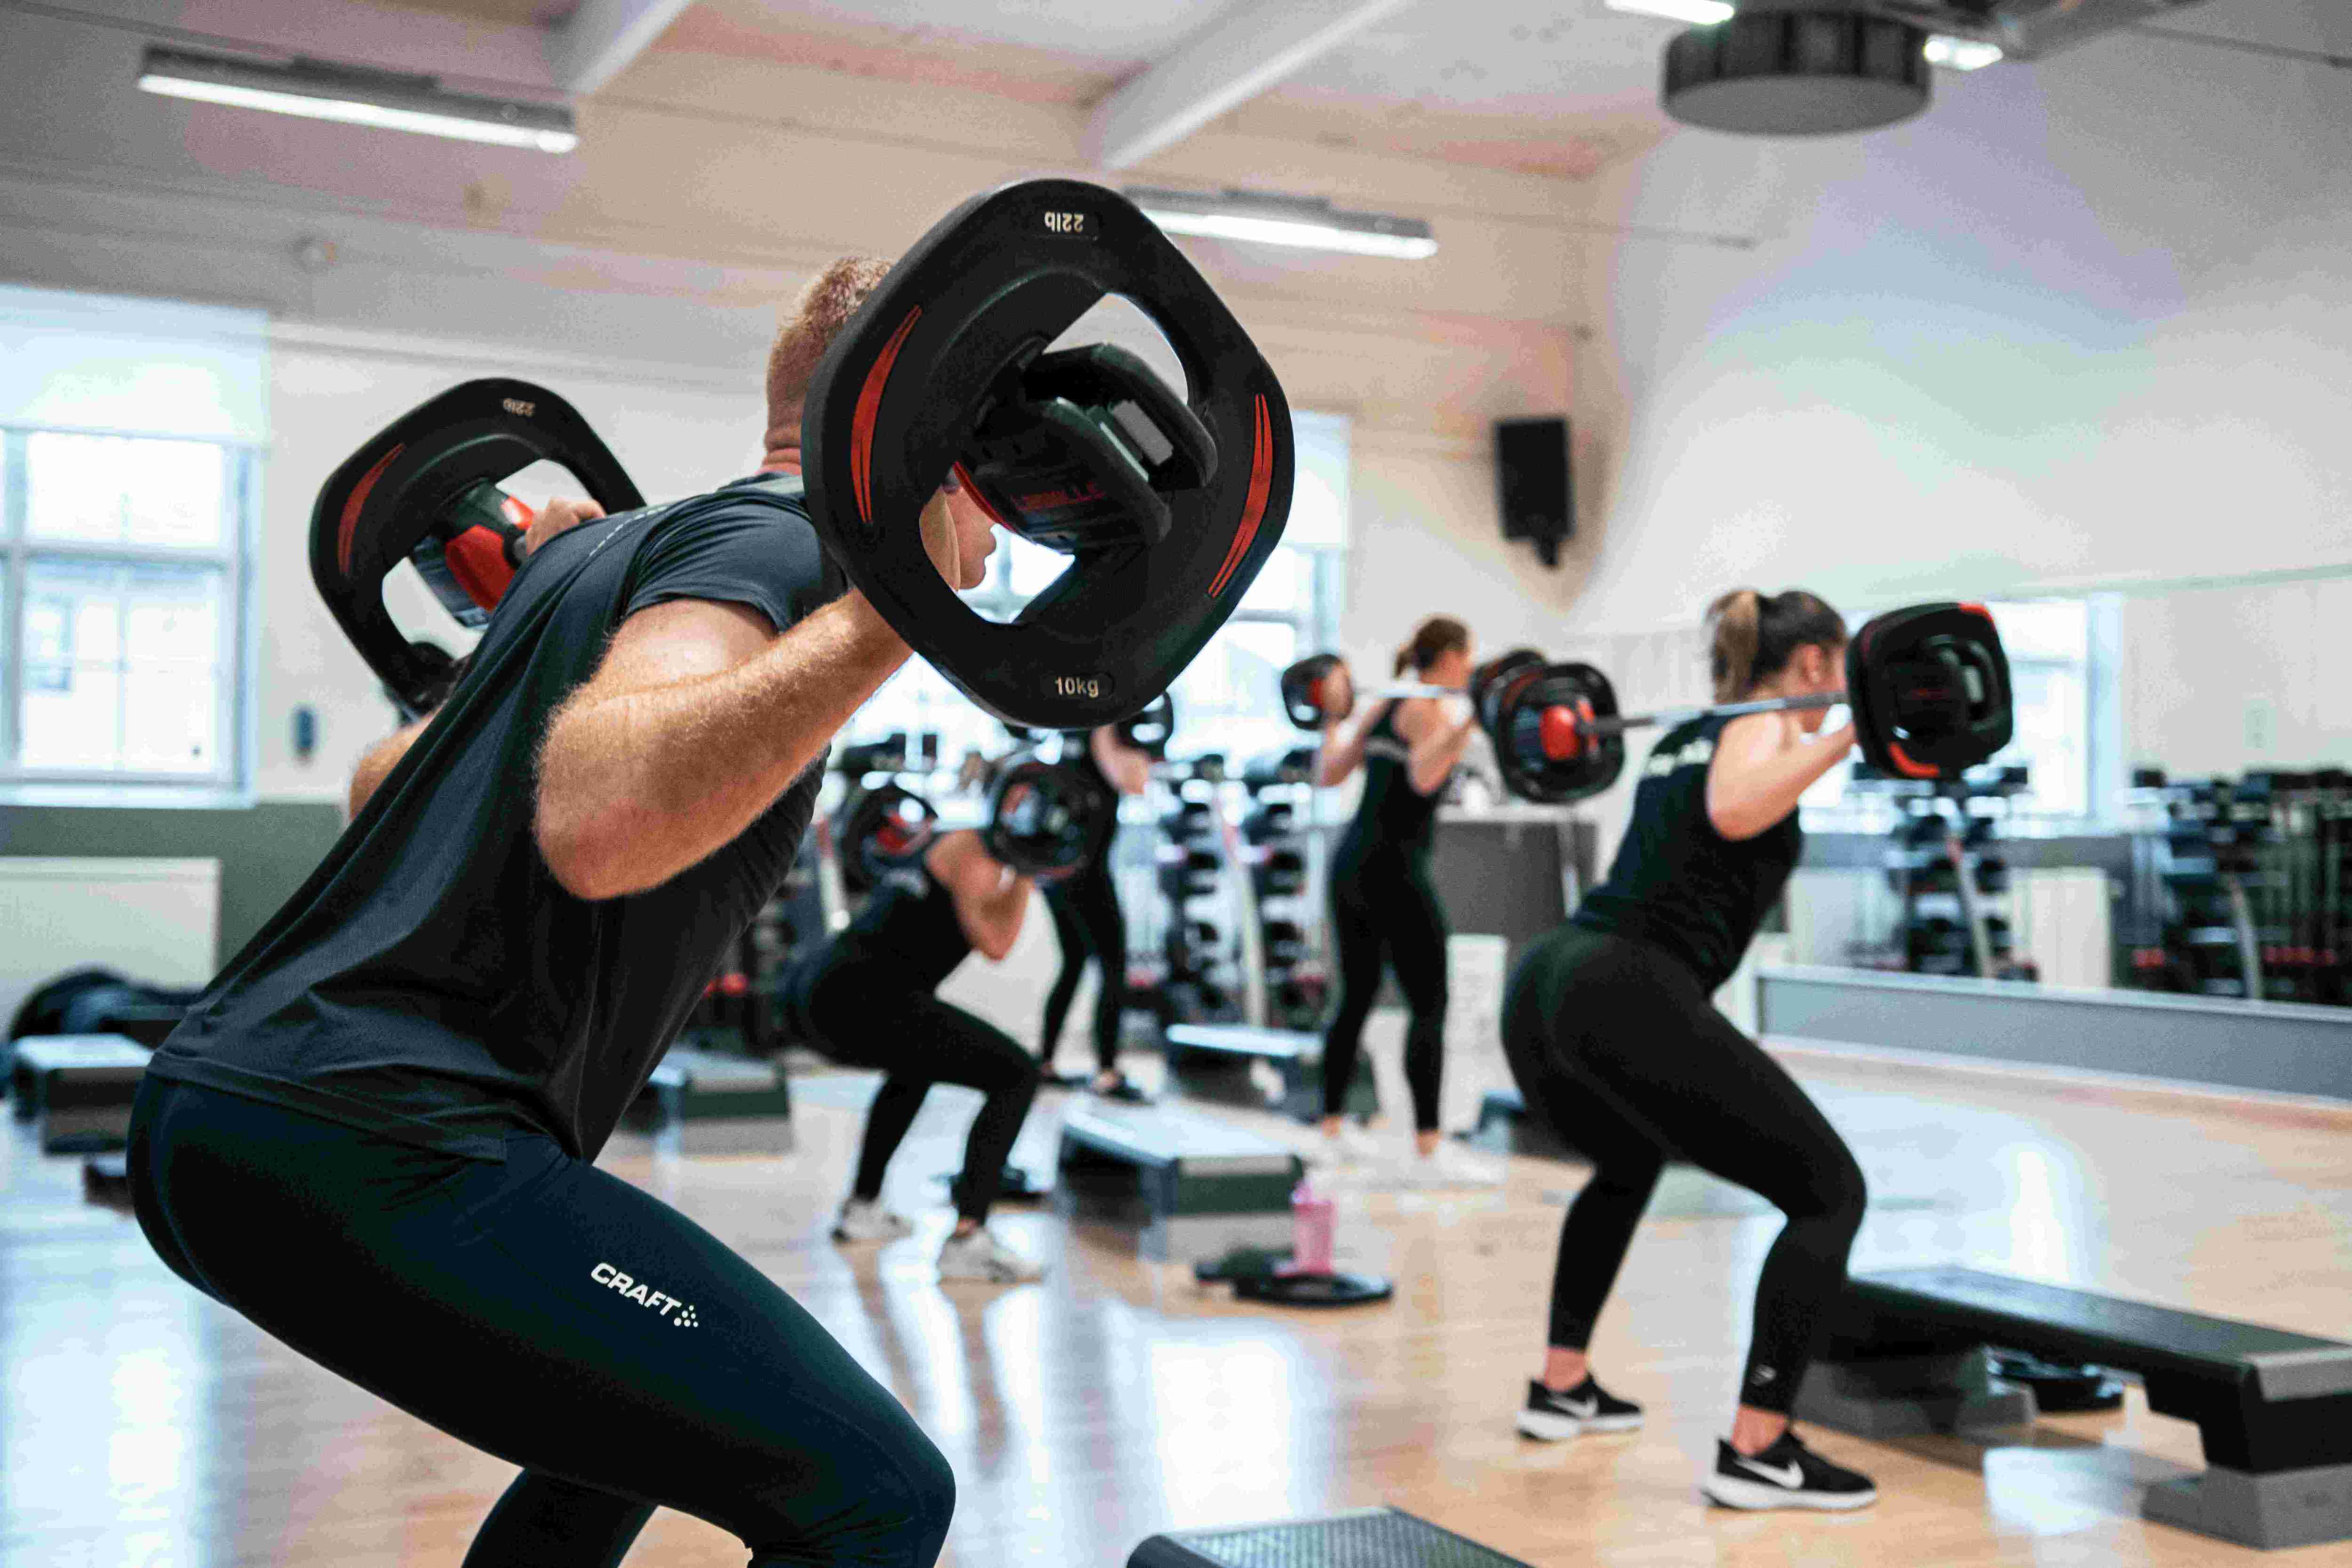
1611,1030
1384,908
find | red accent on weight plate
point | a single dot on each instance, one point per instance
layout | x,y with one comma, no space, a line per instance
869,408
1904,765
1261,486
477,560
963,478
359,498
1558,731
1977,610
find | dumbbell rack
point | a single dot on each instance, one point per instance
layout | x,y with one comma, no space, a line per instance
2242,888
1955,906
1278,847
1203,974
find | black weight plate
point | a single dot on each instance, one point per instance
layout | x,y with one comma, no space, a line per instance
1301,687
1519,702
901,390
1486,679
401,485
1930,689
1045,817
878,830
1150,731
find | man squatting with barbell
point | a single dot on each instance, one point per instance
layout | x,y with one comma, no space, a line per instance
373,1134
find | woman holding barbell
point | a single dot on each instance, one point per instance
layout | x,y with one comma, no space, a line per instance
867,997
1086,917
1611,1034
1384,908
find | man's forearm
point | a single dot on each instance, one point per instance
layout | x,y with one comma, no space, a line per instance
636,786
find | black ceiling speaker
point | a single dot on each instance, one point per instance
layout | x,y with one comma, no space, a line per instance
1804,71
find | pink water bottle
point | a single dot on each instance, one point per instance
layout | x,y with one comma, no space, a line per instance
1312,1216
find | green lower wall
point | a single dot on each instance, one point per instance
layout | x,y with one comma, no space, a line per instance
264,850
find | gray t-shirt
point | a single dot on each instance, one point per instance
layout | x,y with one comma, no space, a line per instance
432,982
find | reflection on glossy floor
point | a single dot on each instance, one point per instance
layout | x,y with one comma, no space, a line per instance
141,1425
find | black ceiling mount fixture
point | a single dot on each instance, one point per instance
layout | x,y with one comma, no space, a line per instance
1800,71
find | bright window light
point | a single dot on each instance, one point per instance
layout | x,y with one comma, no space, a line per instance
1302,223
1961,54
346,97
1699,13
1295,233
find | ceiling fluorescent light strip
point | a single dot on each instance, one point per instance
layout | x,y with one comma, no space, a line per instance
1698,13
1961,54
1297,223
353,97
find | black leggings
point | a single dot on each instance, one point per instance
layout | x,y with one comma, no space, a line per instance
1616,1044
863,1013
552,1315
1382,904
1087,922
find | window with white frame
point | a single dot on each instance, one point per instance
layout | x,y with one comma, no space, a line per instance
127,476
1228,697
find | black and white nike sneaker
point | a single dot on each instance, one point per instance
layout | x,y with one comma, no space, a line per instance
1786,1475
1553,1417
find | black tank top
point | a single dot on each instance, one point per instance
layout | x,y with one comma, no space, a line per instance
908,922
1392,814
1679,885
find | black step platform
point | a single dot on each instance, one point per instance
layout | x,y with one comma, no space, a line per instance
1201,1056
1202,1187
1367,1538
1506,1128
1906,1354
78,1087
699,1102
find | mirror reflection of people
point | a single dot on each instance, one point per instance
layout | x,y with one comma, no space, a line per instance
1384,908
1612,1031
375,1134
868,996
1088,921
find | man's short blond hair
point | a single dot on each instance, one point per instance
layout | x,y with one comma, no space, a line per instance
815,319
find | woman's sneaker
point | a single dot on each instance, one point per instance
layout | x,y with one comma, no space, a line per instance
865,1219
1451,1165
1552,1417
1786,1475
980,1255
1115,1086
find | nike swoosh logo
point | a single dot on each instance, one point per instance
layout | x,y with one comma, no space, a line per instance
1792,1476
1583,1410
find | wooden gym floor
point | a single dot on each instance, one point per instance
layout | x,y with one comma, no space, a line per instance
141,1425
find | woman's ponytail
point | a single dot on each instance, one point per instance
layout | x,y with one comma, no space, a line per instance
1733,624
1436,637
1751,636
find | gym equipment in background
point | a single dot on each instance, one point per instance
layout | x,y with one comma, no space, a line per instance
880,830
424,489
1048,818
1906,1353
1168,508
1928,688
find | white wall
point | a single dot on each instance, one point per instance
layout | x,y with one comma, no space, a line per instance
2084,322
2221,679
